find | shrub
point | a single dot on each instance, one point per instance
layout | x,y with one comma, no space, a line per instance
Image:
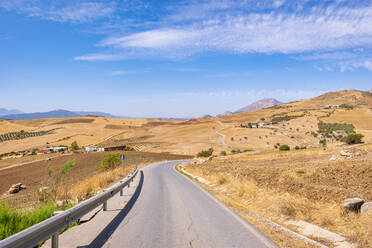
68,166
297,148
128,148
74,146
346,106
284,148
110,161
223,153
353,138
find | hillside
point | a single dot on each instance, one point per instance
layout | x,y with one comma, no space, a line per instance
297,126
261,104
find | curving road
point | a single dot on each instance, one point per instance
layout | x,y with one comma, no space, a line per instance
223,137
172,211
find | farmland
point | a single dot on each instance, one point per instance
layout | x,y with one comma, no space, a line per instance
35,175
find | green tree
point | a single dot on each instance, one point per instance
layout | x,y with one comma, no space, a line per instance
74,146
353,138
110,161
205,153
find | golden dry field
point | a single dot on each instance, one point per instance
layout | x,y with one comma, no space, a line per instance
191,136
302,185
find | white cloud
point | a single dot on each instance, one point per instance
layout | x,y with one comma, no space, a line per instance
278,3
61,11
340,60
275,32
124,72
99,57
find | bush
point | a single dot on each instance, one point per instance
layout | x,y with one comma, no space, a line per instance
284,148
353,138
223,153
68,166
110,161
297,148
205,153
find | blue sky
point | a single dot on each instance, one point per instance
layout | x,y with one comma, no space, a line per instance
179,58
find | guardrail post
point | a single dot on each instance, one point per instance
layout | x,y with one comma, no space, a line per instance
121,192
55,240
104,205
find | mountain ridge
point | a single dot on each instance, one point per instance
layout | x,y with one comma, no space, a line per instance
58,113
260,104
4,111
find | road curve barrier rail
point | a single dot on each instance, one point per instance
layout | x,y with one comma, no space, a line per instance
40,232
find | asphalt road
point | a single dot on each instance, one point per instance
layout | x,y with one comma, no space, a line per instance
172,211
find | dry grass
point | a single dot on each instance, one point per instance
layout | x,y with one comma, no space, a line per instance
90,186
300,185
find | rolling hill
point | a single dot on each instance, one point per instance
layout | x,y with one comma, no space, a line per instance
296,126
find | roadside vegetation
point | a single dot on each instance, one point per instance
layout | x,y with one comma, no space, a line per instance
13,220
295,186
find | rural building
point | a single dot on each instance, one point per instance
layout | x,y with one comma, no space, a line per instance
94,149
330,106
57,148
115,148
50,149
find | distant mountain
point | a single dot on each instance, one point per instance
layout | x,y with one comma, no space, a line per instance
4,111
261,104
54,114
370,91
207,116
225,113
39,115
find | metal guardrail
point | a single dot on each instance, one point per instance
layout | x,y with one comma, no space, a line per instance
35,234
